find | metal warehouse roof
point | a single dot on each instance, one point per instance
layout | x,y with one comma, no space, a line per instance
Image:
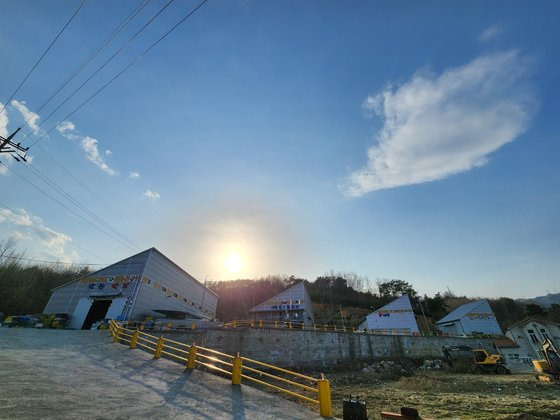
133,256
463,310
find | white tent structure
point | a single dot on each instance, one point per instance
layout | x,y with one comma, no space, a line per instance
396,317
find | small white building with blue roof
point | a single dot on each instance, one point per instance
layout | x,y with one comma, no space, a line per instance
471,318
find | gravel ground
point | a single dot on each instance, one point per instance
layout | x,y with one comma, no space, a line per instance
57,374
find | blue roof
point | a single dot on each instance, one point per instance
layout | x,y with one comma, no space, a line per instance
463,310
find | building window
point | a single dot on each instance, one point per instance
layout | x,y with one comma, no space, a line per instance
174,295
163,289
149,281
533,336
544,334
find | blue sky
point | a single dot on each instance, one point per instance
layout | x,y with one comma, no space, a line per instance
412,141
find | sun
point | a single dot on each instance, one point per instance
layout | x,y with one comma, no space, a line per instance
233,263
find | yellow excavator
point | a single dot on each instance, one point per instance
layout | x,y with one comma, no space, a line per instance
482,361
548,368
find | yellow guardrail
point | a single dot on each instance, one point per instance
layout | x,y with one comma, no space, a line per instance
307,388
291,325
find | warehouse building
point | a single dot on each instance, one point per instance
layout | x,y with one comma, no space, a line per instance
470,318
146,284
397,317
292,305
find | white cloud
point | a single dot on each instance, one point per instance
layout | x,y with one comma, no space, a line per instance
3,122
4,133
67,129
133,174
108,152
92,154
490,33
32,117
437,126
152,195
32,231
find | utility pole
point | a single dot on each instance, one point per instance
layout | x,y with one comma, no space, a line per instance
203,295
8,146
424,315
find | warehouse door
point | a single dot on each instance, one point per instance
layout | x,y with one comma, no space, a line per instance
96,313
116,308
80,313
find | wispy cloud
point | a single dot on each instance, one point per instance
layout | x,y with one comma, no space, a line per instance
4,133
31,229
3,122
133,174
152,195
32,117
89,145
437,126
67,129
489,33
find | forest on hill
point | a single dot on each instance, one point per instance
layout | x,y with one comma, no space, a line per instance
341,298
344,298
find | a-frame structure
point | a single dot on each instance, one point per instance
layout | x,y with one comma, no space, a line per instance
397,317
293,304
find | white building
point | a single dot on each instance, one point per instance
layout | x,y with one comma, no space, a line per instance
145,284
470,318
293,304
530,335
397,317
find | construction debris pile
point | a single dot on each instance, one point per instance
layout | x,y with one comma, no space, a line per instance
432,364
387,369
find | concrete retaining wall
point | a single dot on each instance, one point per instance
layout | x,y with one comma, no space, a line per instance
320,348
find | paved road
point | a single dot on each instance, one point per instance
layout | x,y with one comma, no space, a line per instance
81,374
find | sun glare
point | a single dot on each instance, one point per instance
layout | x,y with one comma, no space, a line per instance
233,263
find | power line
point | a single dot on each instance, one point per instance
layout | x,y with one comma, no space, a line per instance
94,195
122,48
73,244
47,262
124,69
92,55
61,191
68,208
45,53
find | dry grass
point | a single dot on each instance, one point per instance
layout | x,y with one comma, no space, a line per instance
443,395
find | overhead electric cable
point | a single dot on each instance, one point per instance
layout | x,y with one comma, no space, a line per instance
45,261
122,48
43,55
68,208
92,55
91,214
96,196
71,241
123,70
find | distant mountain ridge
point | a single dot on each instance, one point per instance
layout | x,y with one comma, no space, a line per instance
544,301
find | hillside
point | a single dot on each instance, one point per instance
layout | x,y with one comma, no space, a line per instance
544,301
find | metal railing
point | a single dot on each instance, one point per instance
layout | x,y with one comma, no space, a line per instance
306,388
292,325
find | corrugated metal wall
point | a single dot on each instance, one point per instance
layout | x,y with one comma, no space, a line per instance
65,298
292,301
166,286
396,316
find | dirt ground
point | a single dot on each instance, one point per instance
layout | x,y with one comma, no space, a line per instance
441,395
61,374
